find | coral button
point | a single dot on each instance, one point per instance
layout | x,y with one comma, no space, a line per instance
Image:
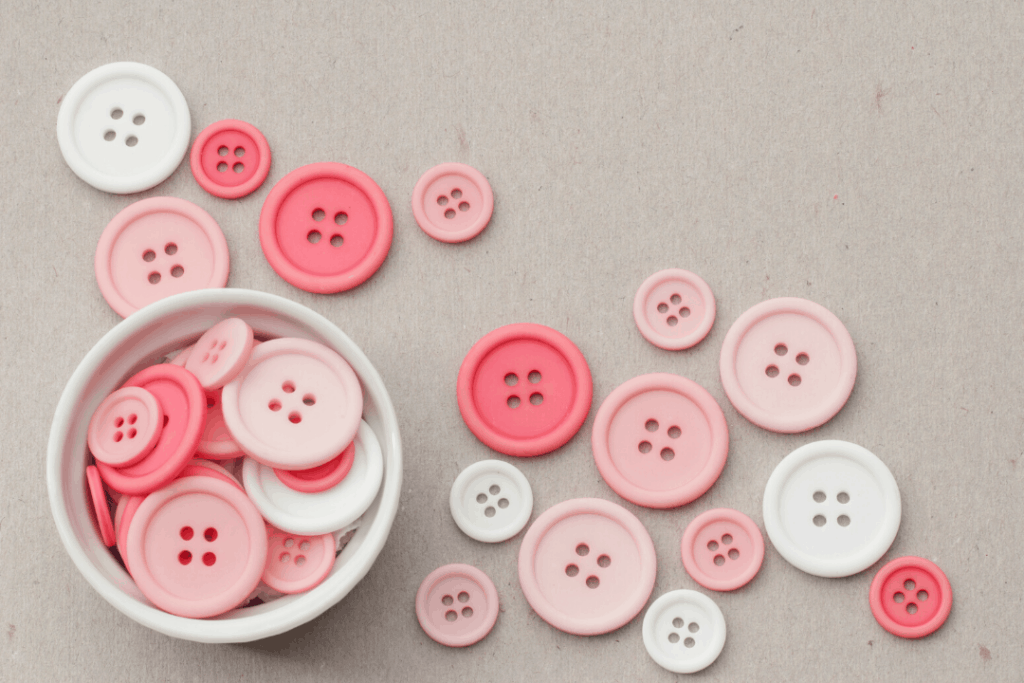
321,477
722,549
660,440
220,353
452,202
125,427
197,548
157,247
230,159
674,309
99,505
297,563
326,227
457,605
524,389
788,365
911,597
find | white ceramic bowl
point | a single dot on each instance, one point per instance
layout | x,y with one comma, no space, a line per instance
144,338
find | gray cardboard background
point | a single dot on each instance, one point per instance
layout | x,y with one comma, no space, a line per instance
863,156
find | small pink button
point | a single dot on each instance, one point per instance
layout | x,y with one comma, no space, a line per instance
157,247
722,549
452,202
524,389
99,506
197,547
216,442
126,427
587,566
674,309
295,405
230,159
660,440
297,563
326,227
788,365
457,605
321,477
911,597
220,353
184,407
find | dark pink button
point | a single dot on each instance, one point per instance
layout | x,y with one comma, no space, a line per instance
126,427
911,597
722,549
457,605
297,563
230,159
99,505
321,477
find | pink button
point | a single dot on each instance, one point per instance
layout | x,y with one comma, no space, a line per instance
216,442
452,202
182,356
157,247
524,389
722,549
99,506
674,309
911,597
220,353
295,405
204,468
123,516
788,365
660,440
326,227
587,566
297,563
321,477
184,406
126,427
230,159
457,605
197,548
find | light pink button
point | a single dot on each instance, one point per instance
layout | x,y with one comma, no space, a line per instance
297,563
587,566
788,365
660,440
157,247
216,442
230,159
674,309
125,427
722,549
295,405
99,506
220,353
457,605
184,405
321,477
197,548
452,202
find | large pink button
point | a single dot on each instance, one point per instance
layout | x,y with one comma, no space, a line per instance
297,563
125,427
788,365
326,227
184,406
452,202
911,597
524,389
660,440
722,549
197,548
220,353
157,247
457,605
674,309
587,566
99,505
295,405
230,159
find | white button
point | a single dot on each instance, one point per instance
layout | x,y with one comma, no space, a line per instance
124,127
318,513
491,501
684,631
832,508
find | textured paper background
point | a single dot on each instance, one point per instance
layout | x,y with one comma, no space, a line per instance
860,155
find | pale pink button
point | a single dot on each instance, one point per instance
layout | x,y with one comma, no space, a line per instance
674,309
457,605
660,440
197,547
157,247
99,506
125,427
722,549
297,563
788,365
220,353
123,515
295,405
587,566
452,202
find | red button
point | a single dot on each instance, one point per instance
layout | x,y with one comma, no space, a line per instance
457,605
99,506
524,389
297,563
326,227
125,427
722,549
230,159
321,477
911,597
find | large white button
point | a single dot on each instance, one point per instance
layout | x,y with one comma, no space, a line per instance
684,631
832,508
124,127
491,501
